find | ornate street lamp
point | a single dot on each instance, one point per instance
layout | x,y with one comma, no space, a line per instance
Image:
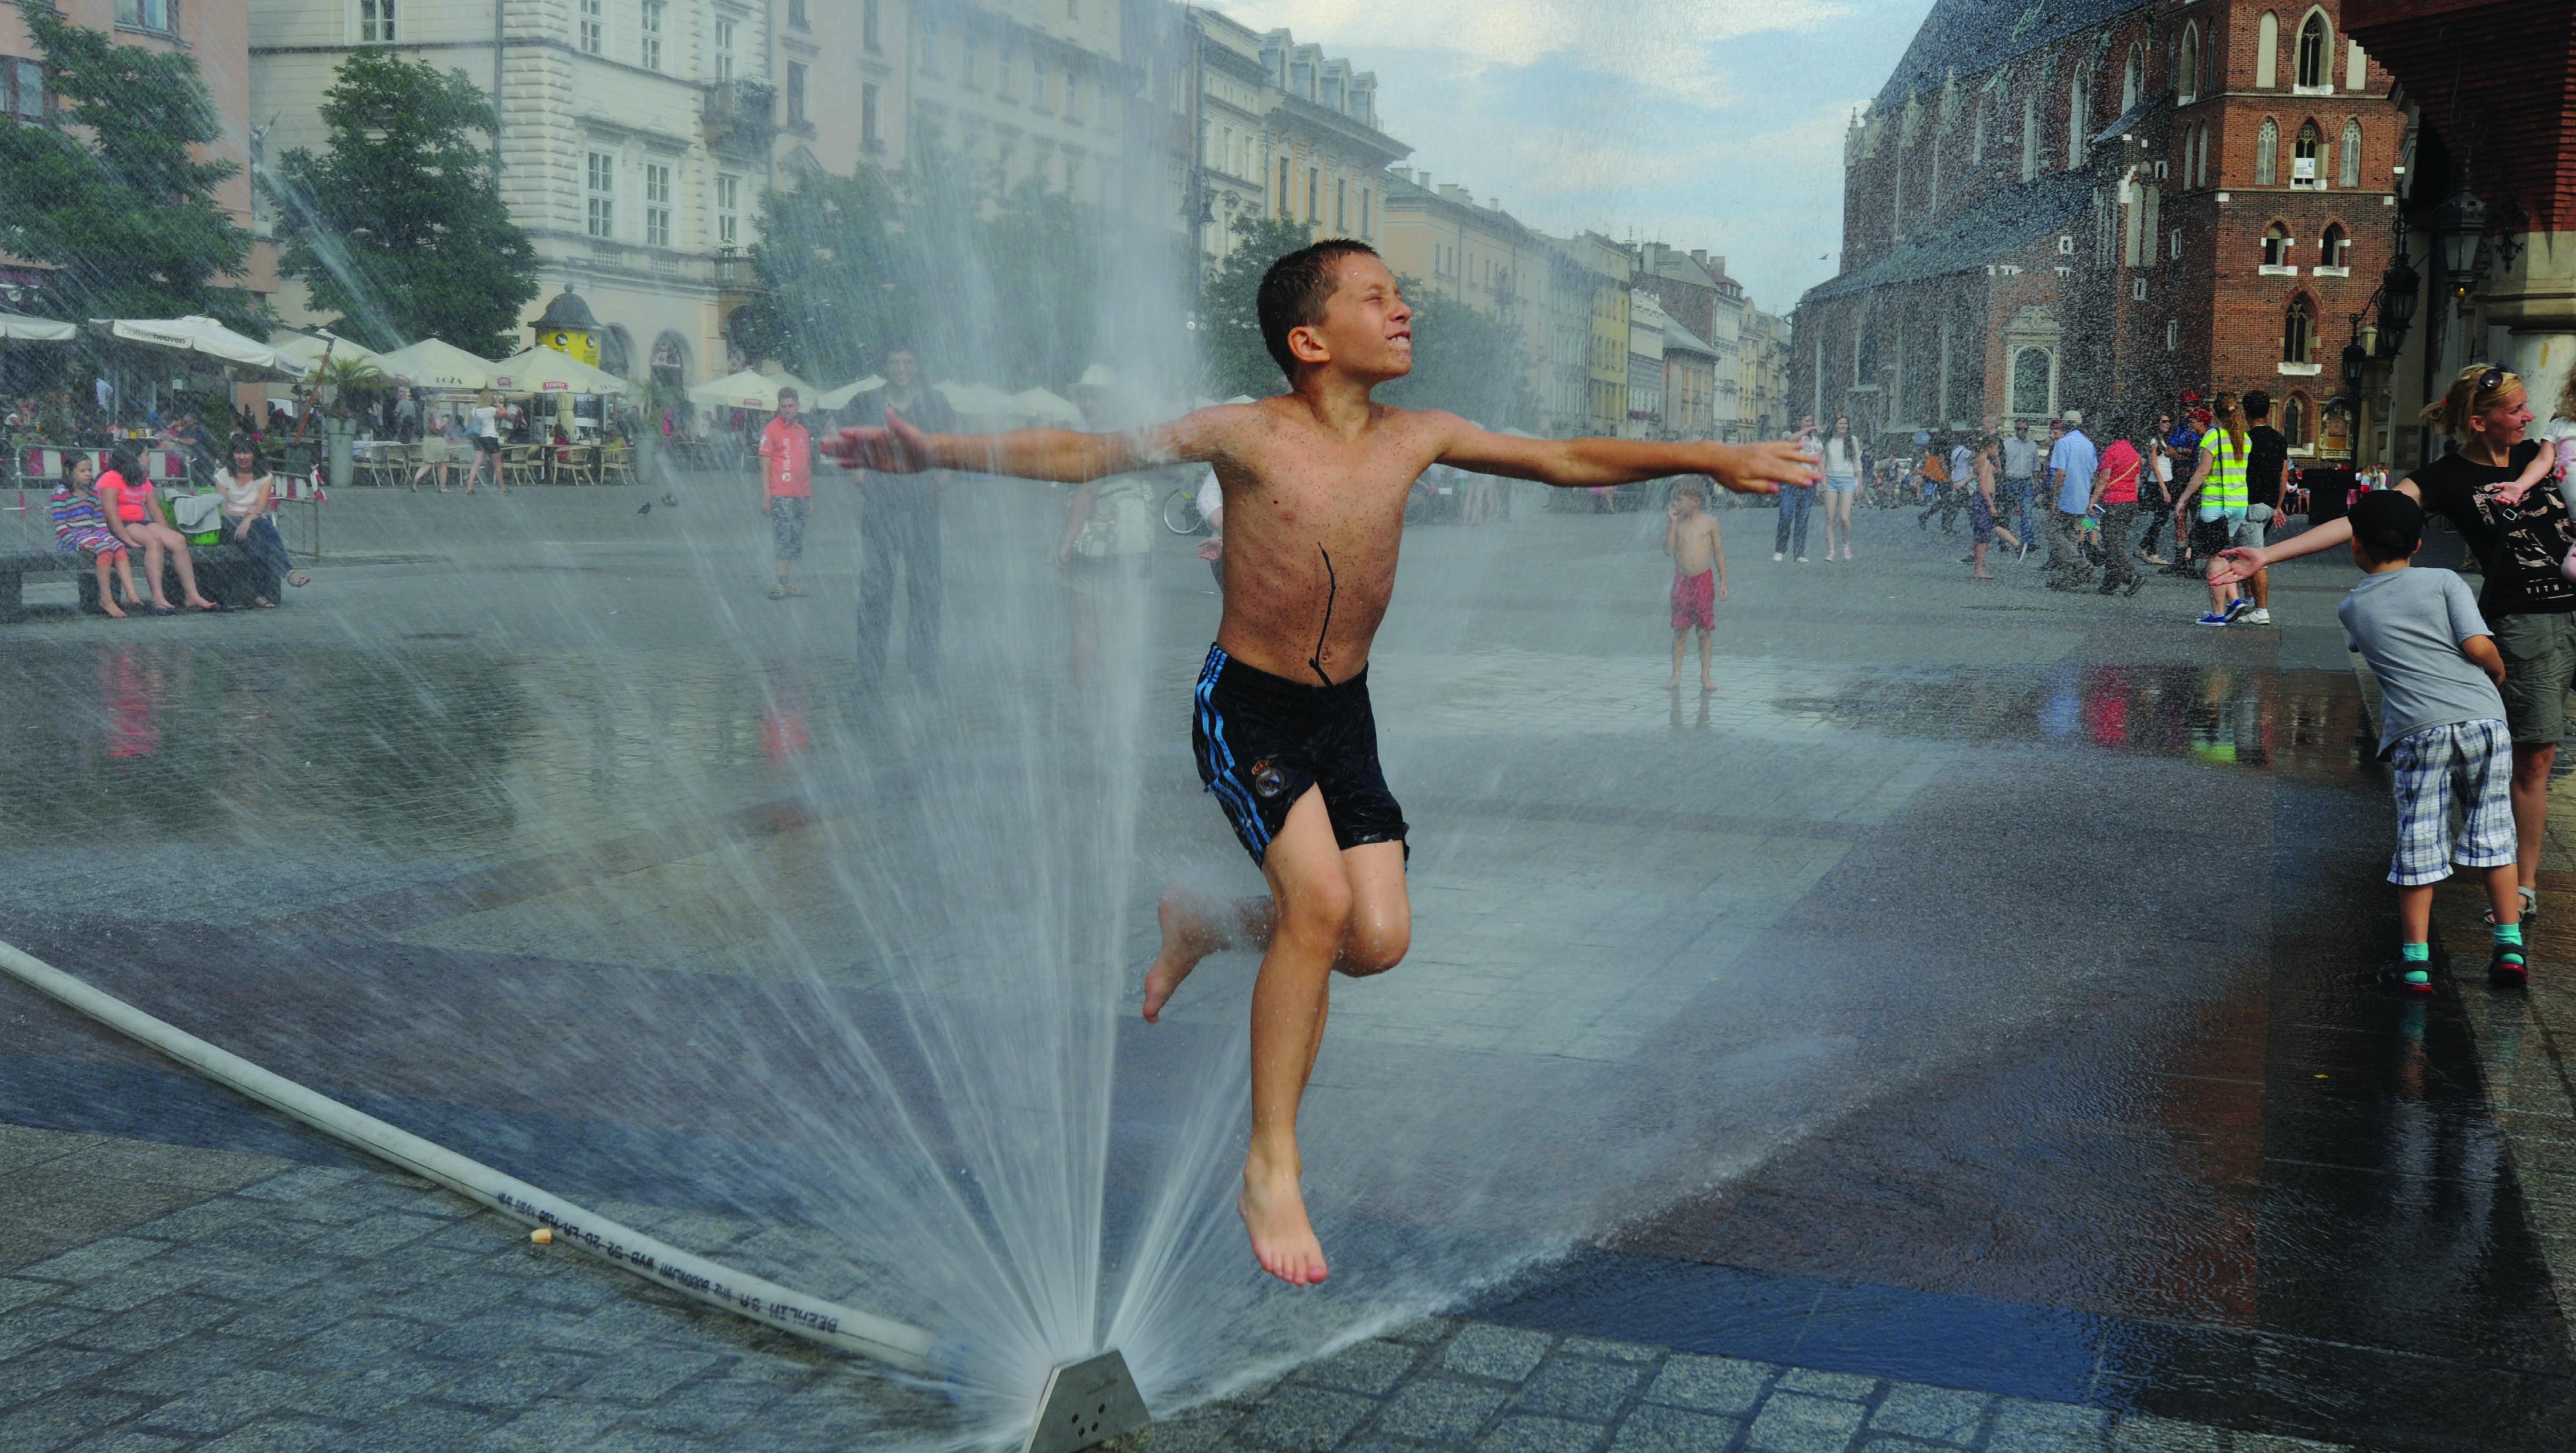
2355,358
2460,224
2400,289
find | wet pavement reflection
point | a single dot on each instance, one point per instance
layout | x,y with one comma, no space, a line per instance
2232,1183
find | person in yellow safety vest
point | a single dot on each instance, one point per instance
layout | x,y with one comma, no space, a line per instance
2218,483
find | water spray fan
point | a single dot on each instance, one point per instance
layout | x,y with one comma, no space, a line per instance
1083,1404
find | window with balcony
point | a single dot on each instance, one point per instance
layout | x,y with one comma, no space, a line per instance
724,50
600,194
375,22
154,15
869,140
2316,43
2267,153
657,204
868,27
648,32
796,15
2348,156
796,95
728,210
2305,165
590,26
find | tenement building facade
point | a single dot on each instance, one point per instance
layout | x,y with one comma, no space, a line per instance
2104,204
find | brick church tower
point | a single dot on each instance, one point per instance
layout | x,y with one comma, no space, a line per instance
2103,206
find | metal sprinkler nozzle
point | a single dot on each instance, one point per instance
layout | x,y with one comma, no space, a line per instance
1085,1404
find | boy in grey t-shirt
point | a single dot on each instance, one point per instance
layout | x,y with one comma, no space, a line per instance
2441,724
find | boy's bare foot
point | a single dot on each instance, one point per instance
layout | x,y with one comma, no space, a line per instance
1274,1212
1707,685
1675,683
1187,938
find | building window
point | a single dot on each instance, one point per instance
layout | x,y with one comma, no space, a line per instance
2348,160
2304,161
375,22
1283,189
146,15
796,15
2294,421
2315,44
868,139
724,49
1364,214
968,71
602,196
2176,250
2133,78
868,26
22,89
2173,334
657,204
2029,137
2187,70
2030,381
2336,249
2298,333
2276,246
2267,52
728,210
2137,289
1341,204
591,26
2267,153
1977,136
796,93
1038,83
649,34
1314,194
2079,114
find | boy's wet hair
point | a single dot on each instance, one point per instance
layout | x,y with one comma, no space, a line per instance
2387,525
1295,290
1691,489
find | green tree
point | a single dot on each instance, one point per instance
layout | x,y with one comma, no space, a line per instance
1463,361
1229,316
1040,252
832,275
398,224
125,212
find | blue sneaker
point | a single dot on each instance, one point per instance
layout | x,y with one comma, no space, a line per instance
2237,608
2214,618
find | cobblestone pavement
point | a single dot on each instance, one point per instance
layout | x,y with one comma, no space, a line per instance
2131,1168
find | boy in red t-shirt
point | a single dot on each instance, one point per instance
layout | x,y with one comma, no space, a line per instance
787,486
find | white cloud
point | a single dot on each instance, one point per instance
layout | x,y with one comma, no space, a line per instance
1666,44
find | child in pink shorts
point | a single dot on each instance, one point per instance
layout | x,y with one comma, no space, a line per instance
1699,574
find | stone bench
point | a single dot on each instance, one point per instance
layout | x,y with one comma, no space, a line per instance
223,574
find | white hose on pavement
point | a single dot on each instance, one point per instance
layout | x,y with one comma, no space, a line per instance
765,1302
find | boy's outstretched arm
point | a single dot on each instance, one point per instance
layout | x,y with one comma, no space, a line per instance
1591,463
1065,455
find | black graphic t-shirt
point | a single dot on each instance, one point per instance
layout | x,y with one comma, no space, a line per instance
2519,546
2268,449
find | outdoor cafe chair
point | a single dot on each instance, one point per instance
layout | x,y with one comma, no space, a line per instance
521,464
580,464
617,464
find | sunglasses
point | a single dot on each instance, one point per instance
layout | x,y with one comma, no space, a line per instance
2491,380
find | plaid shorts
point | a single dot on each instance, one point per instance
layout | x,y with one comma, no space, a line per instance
787,524
2472,762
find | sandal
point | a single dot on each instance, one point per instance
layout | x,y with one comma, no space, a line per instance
792,590
2510,967
778,592
263,603
214,608
162,610
298,579
2530,910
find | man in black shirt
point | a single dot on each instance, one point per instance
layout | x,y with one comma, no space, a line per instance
2519,537
2267,468
899,520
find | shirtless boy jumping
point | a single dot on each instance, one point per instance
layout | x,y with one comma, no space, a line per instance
1315,481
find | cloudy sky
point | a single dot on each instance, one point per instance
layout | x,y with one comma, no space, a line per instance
1699,123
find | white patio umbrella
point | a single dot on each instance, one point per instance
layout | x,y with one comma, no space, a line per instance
748,390
201,336
549,370
19,328
839,398
437,367
977,400
307,347
1039,406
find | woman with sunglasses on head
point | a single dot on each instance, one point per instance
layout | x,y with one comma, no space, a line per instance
2520,535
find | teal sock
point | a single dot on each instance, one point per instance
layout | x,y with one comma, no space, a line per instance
2415,953
2509,933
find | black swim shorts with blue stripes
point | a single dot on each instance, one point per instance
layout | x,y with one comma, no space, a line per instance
1262,741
